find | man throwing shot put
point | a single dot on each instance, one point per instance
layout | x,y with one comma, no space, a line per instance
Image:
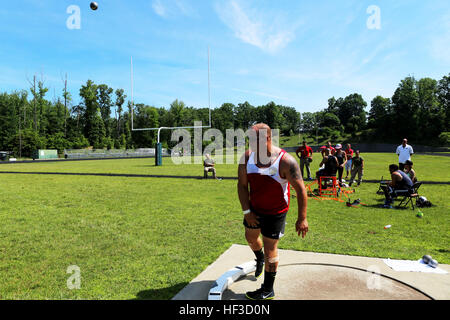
265,174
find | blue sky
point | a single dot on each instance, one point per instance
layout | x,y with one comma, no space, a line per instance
297,53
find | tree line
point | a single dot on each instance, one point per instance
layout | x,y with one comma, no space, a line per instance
419,110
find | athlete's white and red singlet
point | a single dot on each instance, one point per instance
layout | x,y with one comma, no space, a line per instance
269,193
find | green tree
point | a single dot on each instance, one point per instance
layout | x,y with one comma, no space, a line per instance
443,96
223,117
145,117
270,114
105,104
94,129
244,115
330,125
177,114
291,120
29,141
351,113
97,132
59,142
379,118
405,107
120,100
431,115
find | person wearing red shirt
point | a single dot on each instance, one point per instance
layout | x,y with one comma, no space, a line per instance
305,157
333,150
348,166
327,146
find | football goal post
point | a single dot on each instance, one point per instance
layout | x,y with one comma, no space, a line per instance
158,148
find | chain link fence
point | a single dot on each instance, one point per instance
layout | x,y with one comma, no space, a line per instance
112,153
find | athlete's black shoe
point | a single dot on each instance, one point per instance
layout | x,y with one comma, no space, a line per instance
259,267
260,294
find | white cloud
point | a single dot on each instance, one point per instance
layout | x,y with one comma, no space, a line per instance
250,27
262,94
158,8
173,8
184,8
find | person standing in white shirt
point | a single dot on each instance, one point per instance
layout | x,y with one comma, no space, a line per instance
404,152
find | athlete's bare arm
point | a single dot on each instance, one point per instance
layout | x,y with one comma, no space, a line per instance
396,178
290,170
243,193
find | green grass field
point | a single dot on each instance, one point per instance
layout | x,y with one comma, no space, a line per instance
146,238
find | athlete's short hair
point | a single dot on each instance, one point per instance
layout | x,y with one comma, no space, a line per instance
262,126
393,167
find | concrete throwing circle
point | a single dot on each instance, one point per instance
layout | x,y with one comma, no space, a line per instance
326,282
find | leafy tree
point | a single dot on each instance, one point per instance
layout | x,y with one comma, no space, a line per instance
120,100
145,117
291,120
419,110
351,113
378,118
223,117
79,142
270,114
244,115
92,129
177,114
405,107
105,104
444,139
58,142
29,140
309,122
431,115
443,96
97,132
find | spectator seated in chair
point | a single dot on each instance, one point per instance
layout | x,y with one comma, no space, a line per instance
208,166
400,183
410,171
330,163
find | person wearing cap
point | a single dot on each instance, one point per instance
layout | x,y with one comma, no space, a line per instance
404,152
342,160
410,171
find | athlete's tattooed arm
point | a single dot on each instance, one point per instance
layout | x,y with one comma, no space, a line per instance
294,169
243,192
291,171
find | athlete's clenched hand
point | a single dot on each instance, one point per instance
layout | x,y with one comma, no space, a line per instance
251,219
301,226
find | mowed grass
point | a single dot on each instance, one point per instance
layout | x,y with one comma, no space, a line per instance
428,167
146,238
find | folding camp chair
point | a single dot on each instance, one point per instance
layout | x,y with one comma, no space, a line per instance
408,195
382,183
